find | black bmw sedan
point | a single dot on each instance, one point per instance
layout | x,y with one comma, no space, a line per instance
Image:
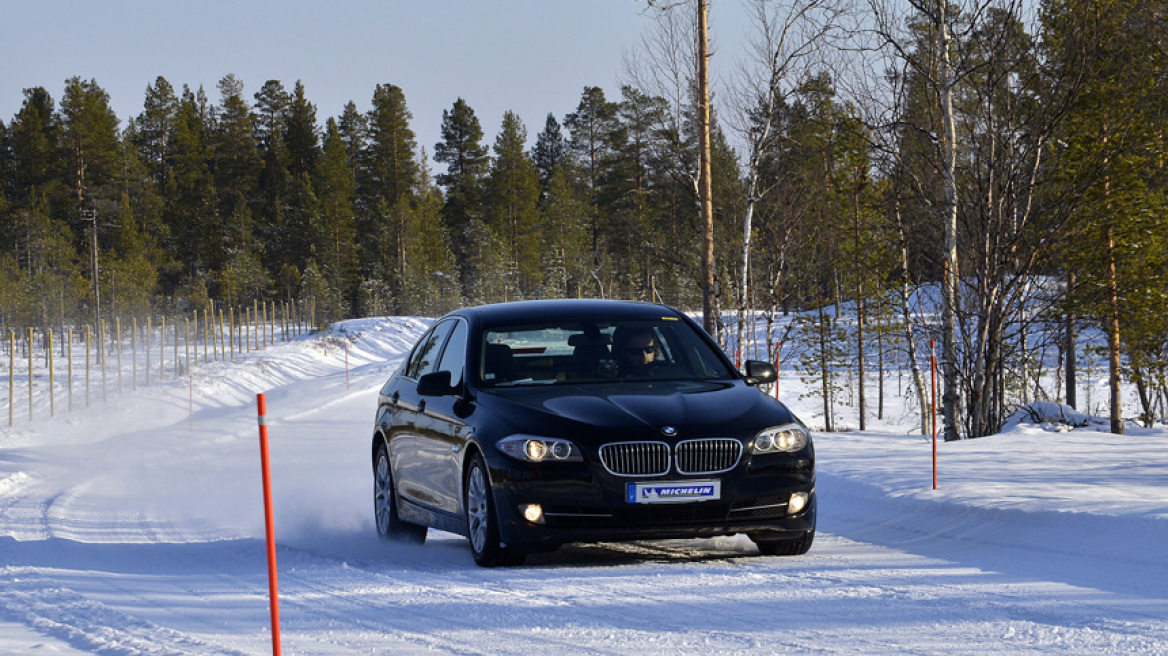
525,426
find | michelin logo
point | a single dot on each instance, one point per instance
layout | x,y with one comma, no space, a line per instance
672,493
657,493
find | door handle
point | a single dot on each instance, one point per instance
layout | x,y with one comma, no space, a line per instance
422,405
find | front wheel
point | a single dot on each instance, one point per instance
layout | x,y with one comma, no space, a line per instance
482,520
389,525
795,547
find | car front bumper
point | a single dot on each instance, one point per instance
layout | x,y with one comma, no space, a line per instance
583,503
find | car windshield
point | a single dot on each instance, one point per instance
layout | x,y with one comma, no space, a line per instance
573,352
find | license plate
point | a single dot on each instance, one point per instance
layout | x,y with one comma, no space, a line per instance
674,492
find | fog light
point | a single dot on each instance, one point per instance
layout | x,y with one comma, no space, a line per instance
532,512
797,503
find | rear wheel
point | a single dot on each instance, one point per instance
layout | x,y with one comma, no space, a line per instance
482,521
385,503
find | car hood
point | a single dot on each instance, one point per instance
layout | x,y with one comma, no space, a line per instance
637,410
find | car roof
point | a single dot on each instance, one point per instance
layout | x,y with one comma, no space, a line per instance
550,310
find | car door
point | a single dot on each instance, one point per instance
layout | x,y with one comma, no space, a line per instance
441,433
406,446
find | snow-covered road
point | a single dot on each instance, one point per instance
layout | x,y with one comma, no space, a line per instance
128,531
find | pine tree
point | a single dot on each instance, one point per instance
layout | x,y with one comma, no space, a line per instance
467,165
191,201
1112,140
626,197
354,130
567,213
271,108
387,177
591,129
91,138
236,157
90,131
549,151
513,208
338,228
429,274
155,130
127,273
301,133
390,160
35,139
275,182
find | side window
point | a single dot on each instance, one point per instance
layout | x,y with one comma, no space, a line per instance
426,353
454,357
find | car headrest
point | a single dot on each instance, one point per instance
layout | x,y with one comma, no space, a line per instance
580,339
498,361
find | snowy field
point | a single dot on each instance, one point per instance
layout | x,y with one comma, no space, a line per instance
135,528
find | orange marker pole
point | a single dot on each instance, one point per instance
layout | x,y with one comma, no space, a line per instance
269,524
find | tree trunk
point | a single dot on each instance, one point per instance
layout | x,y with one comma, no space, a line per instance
1113,342
917,375
825,371
744,285
705,185
951,398
859,314
1069,348
880,374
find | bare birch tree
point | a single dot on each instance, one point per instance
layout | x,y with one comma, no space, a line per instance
788,41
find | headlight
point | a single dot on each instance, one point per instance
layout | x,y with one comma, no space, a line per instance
787,438
530,448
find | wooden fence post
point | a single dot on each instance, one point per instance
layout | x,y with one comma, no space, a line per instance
88,340
134,352
52,391
101,355
205,324
70,370
149,335
11,374
30,374
118,337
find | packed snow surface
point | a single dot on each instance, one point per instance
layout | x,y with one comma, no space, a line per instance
136,527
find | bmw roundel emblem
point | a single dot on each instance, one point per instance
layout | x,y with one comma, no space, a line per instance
668,431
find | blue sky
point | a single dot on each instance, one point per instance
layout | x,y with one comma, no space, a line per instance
528,56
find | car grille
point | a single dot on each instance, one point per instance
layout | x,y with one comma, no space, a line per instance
636,458
709,456
705,456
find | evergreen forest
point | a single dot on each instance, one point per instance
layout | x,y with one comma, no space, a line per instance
1017,161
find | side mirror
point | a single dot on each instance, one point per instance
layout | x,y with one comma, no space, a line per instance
436,383
759,372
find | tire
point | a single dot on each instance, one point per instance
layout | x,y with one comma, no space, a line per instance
796,547
389,524
482,519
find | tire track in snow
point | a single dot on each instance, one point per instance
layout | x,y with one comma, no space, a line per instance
87,624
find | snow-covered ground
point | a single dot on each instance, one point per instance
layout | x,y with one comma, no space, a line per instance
134,528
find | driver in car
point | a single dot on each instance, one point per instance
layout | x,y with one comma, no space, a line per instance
638,351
